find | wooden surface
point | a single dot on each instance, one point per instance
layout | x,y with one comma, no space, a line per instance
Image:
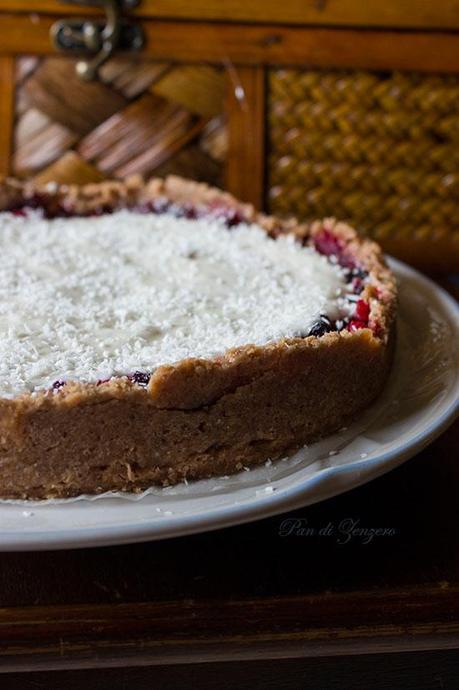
391,13
299,611
262,44
245,162
260,591
6,111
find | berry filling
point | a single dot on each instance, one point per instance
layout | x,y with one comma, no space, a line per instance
142,378
58,384
360,317
326,243
362,311
323,325
53,208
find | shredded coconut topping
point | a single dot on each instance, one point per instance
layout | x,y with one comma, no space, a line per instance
85,299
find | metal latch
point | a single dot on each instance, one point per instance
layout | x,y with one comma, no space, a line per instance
99,38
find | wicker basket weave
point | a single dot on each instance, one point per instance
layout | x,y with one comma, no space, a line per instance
381,150
138,117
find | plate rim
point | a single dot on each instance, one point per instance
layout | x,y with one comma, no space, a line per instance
259,507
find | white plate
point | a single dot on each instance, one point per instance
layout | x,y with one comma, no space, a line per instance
420,400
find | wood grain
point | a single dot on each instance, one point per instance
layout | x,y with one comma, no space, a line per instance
140,137
193,162
246,134
251,45
175,632
6,112
131,77
198,88
69,169
392,13
181,129
56,90
39,141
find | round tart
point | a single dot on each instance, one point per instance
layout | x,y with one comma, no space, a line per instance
152,333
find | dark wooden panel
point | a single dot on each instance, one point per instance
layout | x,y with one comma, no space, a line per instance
250,44
177,632
246,134
391,13
6,112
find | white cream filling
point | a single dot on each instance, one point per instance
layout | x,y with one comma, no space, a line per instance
87,299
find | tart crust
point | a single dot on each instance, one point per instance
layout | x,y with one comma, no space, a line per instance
199,417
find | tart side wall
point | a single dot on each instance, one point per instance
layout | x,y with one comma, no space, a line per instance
80,441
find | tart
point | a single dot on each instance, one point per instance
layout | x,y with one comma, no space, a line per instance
159,332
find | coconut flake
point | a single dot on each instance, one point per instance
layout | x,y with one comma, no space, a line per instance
86,299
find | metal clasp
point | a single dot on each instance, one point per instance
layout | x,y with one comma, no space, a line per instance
100,38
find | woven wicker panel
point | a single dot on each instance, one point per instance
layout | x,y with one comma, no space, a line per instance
381,150
138,117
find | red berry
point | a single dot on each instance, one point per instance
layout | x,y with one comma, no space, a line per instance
326,243
355,325
58,384
362,310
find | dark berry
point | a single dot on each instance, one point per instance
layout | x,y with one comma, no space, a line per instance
355,272
323,325
140,377
159,205
101,210
230,215
189,211
58,384
357,285
356,277
145,207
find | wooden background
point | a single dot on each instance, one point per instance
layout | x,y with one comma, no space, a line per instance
348,107
309,109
